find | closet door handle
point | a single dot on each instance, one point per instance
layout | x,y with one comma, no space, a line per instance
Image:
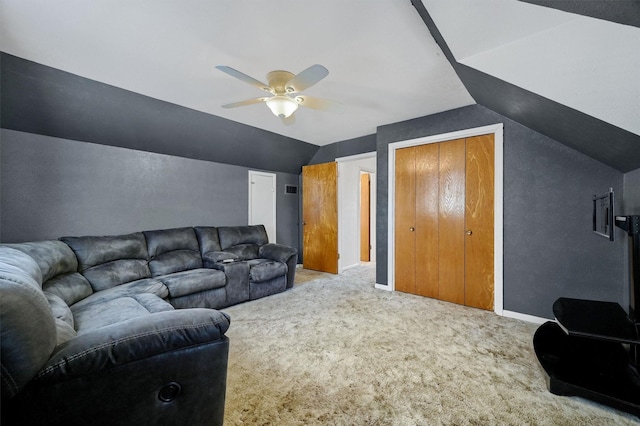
469,232
412,229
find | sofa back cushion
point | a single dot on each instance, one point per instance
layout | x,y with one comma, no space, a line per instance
111,260
243,241
59,268
28,332
207,239
172,250
53,257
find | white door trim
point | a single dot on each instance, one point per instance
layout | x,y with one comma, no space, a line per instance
498,255
273,177
341,163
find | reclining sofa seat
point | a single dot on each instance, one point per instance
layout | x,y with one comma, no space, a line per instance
116,268
271,266
175,260
121,355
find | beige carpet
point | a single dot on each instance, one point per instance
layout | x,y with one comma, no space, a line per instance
334,350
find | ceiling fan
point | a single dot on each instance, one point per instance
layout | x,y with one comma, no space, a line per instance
284,88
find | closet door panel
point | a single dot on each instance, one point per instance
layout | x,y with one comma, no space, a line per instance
479,238
451,221
405,221
427,263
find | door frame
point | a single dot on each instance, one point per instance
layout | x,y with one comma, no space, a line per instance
498,254
341,161
274,179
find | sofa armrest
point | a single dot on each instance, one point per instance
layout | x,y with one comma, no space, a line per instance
282,253
133,340
166,368
278,252
212,257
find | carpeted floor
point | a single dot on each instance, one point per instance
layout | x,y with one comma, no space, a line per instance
334,350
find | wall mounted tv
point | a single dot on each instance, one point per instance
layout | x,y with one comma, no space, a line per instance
603,224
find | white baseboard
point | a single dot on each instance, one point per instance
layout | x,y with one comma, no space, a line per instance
525,317
351,266
383,287
509,314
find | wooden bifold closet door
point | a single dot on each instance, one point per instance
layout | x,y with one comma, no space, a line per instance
444,220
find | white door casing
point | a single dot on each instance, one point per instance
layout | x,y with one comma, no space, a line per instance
497,130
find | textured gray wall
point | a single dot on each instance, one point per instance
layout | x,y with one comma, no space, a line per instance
631,199
549,248
335,150
51,187
47,101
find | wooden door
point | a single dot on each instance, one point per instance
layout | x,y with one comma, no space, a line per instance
444,220
365,215
405,220
479,222
451,215
427,220
320,217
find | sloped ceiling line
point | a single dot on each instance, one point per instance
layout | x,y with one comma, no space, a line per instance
602,141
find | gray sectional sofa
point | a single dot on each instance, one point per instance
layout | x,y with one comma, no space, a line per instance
120,330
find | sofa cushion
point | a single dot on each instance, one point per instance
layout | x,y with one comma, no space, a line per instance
263,269
53,257
152,303
175,261
111,260
147,285
93,316
235,235
207,239
194,281
244,251
28,332
59,308
115,273
71,287
65,329
172,250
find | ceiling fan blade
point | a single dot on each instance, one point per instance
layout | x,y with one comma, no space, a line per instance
318,103
288,121
306,78
242,76
243,103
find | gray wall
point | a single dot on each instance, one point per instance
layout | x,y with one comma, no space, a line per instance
549,248
328,153
631,198
47,101
52,187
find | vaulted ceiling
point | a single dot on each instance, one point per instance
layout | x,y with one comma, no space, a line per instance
567,69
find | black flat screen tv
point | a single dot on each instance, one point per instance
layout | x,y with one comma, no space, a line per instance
603,224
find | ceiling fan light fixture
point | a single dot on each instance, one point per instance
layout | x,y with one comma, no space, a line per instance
282,106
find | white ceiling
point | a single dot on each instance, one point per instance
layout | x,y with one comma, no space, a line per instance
384,65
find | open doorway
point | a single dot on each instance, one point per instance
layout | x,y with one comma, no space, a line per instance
355,224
